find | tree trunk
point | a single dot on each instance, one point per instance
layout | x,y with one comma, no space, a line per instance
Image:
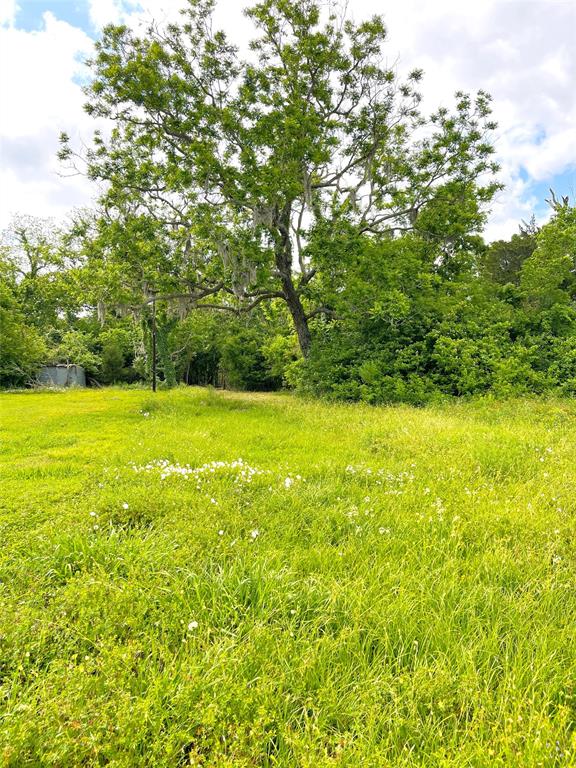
283,258
298,315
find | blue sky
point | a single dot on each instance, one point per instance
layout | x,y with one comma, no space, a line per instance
29,14
521,51
562,184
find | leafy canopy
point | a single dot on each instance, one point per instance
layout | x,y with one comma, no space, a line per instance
236,159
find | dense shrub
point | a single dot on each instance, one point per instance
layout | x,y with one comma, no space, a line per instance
412,322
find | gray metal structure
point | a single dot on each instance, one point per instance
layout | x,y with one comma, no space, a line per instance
62,375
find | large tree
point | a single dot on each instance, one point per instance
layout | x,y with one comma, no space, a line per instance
239,157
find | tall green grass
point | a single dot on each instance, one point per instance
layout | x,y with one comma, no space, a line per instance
392,587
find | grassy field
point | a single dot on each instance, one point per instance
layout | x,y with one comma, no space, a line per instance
321,586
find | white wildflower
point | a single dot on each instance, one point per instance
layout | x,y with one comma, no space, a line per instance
243,473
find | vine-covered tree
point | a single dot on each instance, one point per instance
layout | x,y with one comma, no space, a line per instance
239,157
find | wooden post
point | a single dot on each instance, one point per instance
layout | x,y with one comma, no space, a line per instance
154,342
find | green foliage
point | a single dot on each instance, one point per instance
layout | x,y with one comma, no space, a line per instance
412,320
165,362
237,352
22,349
548,276
243,364
280,352
502,262
196,340
41,266
401,319
117,355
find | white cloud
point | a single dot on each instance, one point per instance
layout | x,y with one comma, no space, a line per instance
8,10
132,12
104,12
523,52
38,72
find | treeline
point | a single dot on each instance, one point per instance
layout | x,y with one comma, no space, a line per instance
402,321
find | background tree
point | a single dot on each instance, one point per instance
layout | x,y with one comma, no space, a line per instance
40,260
22,348
503,260
549,274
